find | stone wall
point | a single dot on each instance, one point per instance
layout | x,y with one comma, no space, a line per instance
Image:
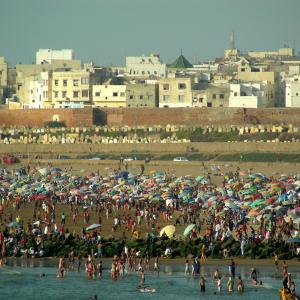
151,116
199,116
38,117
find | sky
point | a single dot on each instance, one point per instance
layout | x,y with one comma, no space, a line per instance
106,31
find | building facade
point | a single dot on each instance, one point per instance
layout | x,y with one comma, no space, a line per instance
3,76
109,95
145,66
292,91
70,89
175,92
251,95
46,56
142,95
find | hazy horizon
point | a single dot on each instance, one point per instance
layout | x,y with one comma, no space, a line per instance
108,31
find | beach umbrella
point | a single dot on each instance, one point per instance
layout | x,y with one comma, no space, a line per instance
297,183
293,240
188,229
93,226
15,225
43,171
169,230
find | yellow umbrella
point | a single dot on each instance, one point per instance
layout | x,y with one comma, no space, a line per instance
169,230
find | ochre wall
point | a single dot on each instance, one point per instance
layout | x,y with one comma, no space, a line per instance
38,117
200,116
151,116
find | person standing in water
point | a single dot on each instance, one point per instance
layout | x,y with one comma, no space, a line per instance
156,265
61,268
187,271
202,282
142,281
240,285
90,267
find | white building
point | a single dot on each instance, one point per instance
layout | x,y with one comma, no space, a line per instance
38,91
292,92
45,56
145,66
251,95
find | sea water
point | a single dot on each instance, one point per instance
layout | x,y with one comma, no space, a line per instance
22,280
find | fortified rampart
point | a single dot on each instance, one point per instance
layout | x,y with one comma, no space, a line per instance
38,117
151,116
199,116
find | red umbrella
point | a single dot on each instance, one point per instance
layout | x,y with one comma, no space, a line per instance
40,197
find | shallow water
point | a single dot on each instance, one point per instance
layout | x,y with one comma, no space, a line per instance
21,280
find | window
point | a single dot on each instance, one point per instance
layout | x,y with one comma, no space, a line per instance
166,87
141,97
131,97
150,97
97,94
181,98
166,97
65,82
296,79
209,104
296,94
115,94
75,82
45,94
64,94
235,94
56,82
75,94
200,100
243,69
85,80
84,93
214,96
122,94
181,86
221,96
55,94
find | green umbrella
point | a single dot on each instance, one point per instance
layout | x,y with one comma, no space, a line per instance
188,229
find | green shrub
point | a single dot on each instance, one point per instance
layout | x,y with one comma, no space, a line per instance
55,124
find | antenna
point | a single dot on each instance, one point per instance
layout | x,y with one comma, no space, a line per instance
232,40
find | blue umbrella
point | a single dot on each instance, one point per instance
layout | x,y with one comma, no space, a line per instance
293,240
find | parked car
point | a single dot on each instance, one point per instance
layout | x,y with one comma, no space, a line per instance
180,158
130,158
96,158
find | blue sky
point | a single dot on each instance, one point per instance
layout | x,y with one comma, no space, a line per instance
106,31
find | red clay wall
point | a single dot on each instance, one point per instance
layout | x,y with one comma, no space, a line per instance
38,117
200,116
151,116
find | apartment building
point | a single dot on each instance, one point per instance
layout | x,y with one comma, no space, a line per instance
70,89
109,95
46,56
292,91
252,95
175,92
142,95
145,66
3,76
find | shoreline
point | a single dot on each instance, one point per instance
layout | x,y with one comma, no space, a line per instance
181,260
